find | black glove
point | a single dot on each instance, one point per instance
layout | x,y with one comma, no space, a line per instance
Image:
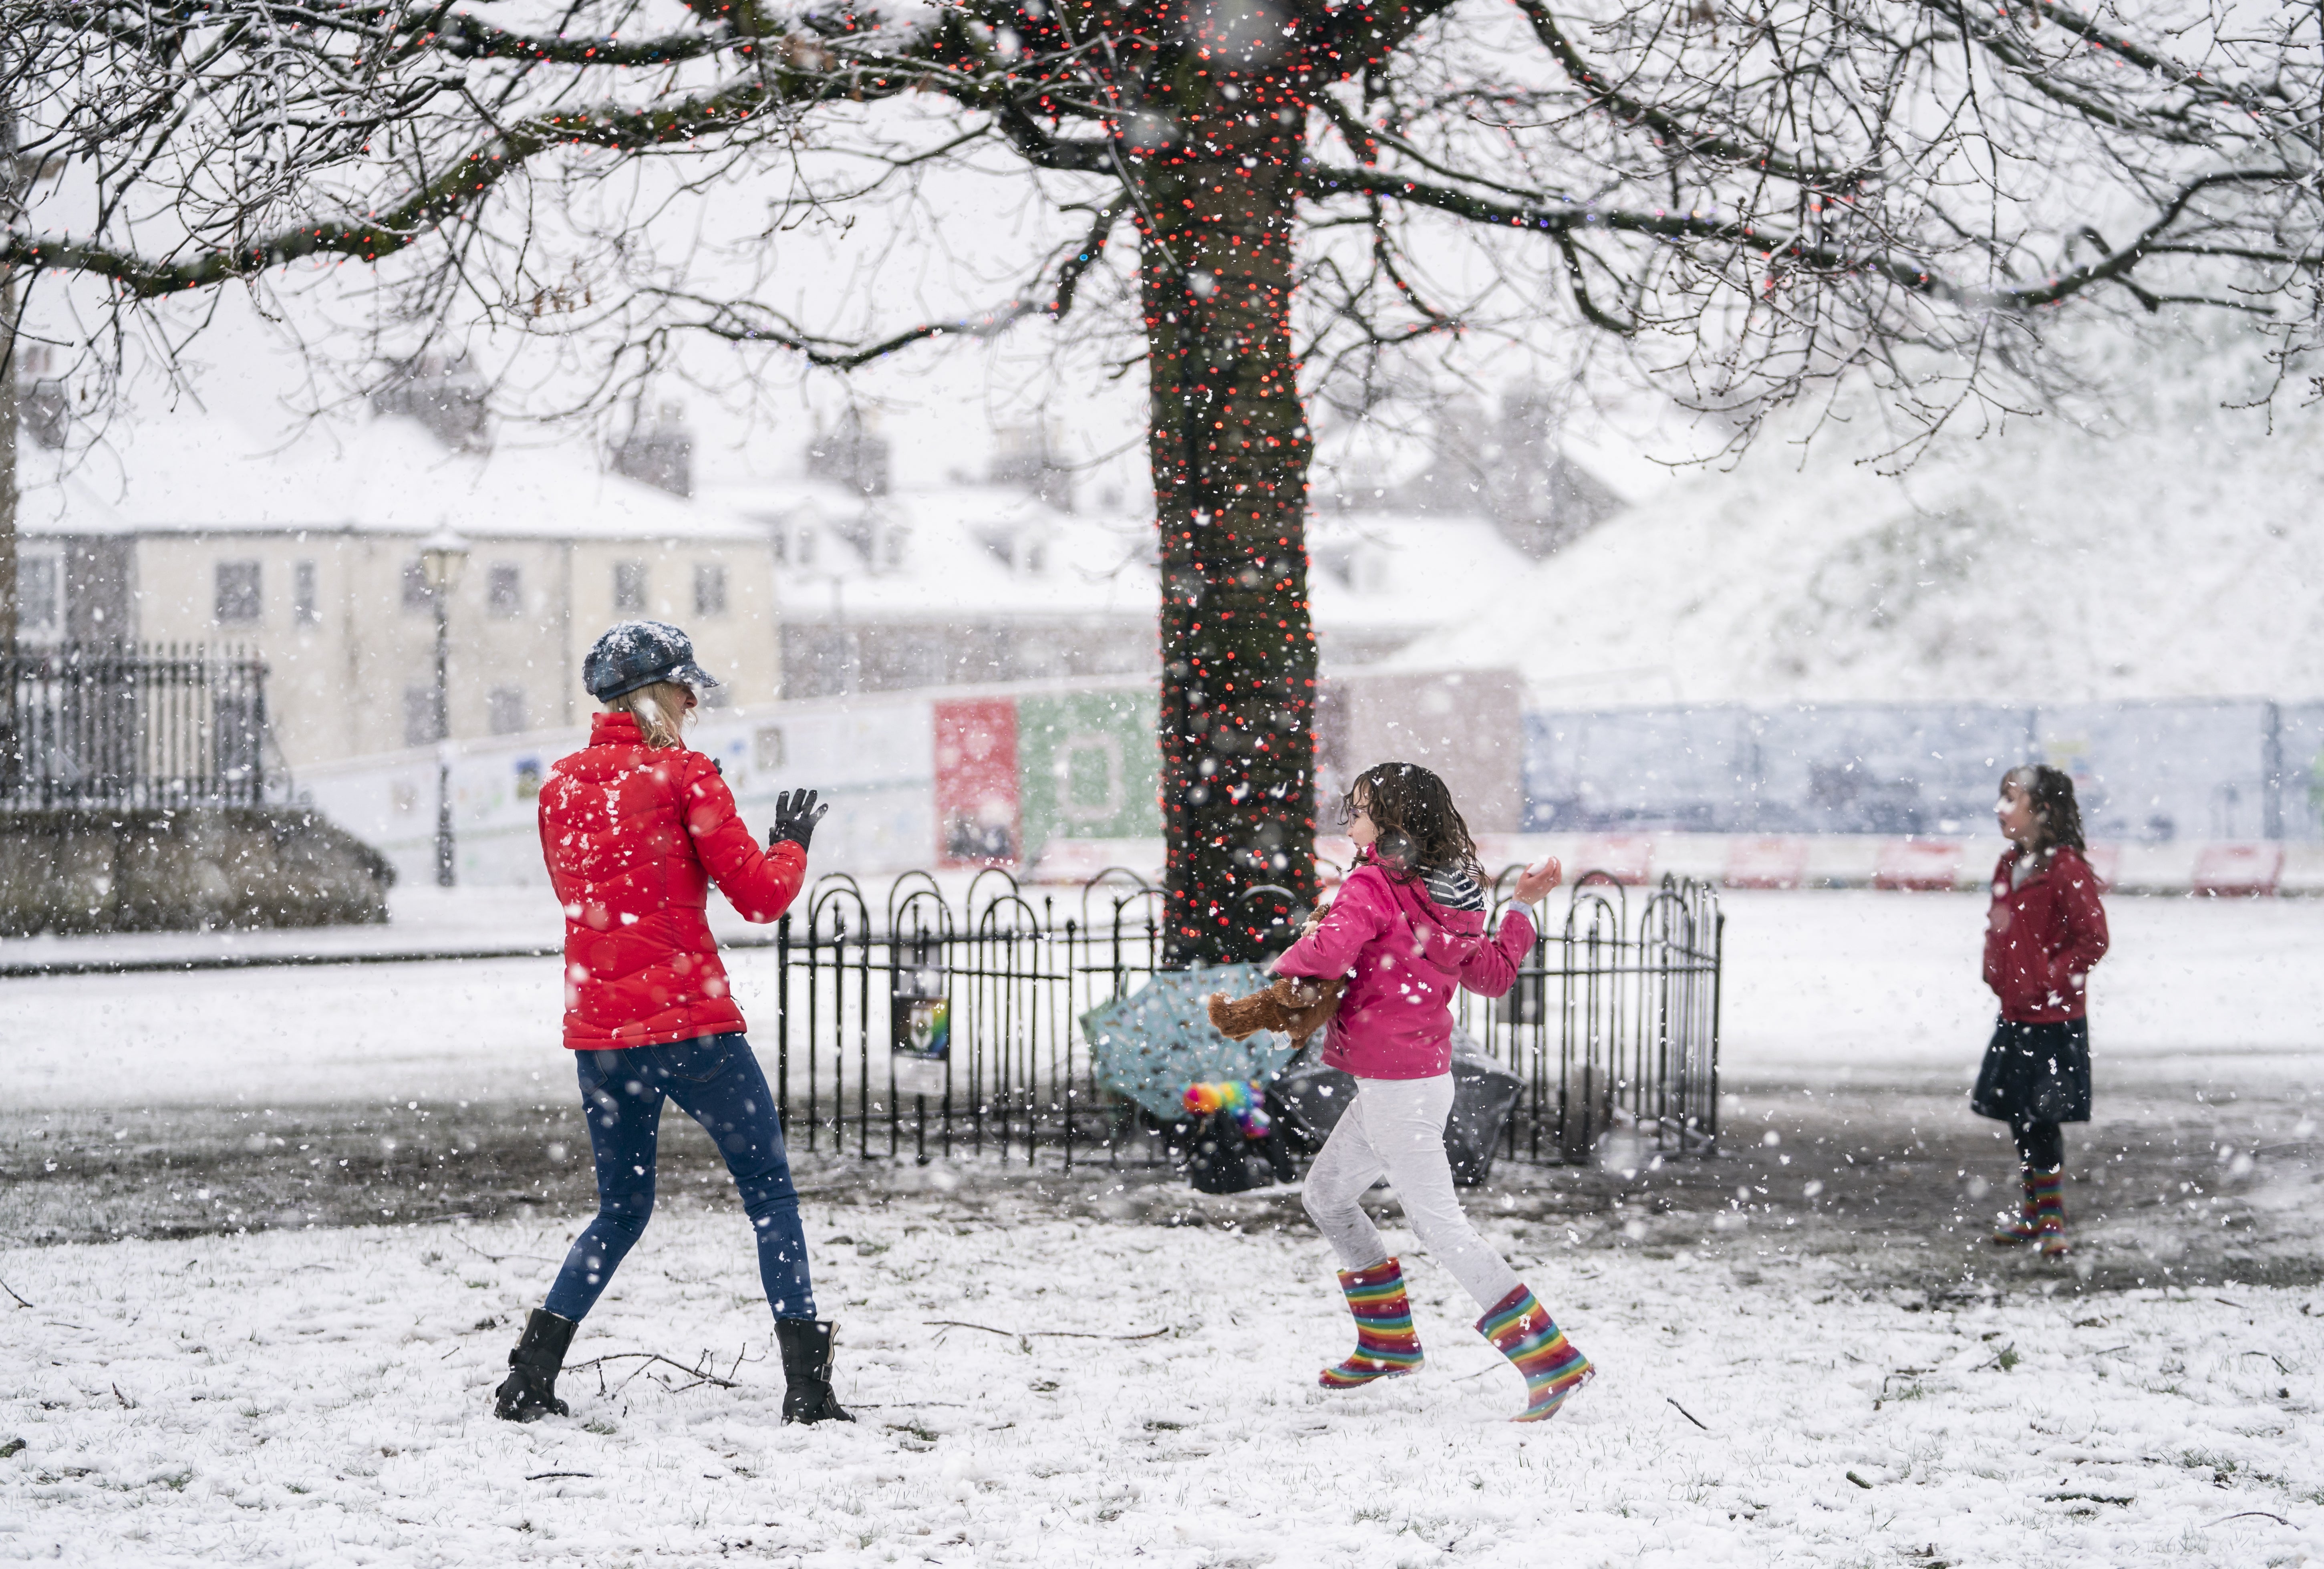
796,815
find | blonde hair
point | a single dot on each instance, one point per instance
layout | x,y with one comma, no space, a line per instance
660,709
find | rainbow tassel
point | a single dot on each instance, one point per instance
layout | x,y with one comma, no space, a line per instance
1386,1345
1521,1330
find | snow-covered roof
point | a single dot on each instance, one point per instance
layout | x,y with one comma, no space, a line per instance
208,473
957,551
2173,557
1378,573
991,551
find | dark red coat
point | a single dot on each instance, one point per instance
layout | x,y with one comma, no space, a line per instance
634,835
2041,938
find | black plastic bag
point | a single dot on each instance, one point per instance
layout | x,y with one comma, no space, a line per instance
1222,1160
1484,1094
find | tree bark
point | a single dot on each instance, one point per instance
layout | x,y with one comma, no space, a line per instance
8,357
1229,449
12,186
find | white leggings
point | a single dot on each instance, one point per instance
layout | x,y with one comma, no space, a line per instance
1396,1127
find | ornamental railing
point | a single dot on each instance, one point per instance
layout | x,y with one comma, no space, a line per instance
158,725
1613,1023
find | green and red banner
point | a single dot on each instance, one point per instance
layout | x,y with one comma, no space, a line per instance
1013,775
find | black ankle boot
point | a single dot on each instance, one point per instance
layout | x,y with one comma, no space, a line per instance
806,1370
531,1388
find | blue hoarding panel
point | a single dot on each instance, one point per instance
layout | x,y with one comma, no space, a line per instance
2143,772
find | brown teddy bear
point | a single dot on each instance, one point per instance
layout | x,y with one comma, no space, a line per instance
1296,1006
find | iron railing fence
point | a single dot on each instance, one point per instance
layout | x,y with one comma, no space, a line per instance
152,726
1613,1022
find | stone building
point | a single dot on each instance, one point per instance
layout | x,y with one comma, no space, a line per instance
197,529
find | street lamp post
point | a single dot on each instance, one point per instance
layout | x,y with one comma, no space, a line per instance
441,556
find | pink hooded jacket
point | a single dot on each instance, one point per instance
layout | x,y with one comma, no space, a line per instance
1403,957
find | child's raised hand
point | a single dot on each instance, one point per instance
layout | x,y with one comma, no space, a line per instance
1534,882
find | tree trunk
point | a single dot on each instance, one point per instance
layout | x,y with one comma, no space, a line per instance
1229,448
11,187
8,358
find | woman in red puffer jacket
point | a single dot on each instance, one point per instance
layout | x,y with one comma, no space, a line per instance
635,827
2044,931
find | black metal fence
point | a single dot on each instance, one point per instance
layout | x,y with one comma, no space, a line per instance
1613,1022
159,726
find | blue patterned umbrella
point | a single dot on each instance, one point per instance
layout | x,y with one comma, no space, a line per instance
1150,1045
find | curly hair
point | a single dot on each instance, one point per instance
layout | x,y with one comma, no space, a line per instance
1420,827
2057,817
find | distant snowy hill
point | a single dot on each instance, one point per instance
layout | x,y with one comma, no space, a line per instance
2178,552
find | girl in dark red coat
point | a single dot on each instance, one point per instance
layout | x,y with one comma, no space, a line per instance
2044,930
635,827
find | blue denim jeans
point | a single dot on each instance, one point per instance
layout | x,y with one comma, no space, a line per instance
716,1081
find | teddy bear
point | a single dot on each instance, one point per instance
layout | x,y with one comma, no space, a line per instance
1295,1005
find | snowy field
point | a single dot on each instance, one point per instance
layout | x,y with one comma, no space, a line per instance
1861,987
320,1398
1141,1391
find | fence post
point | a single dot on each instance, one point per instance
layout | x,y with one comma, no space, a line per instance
1717,986
783,1023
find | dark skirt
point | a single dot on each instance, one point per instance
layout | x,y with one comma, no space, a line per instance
2035,1073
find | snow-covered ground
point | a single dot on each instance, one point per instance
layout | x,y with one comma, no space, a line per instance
1138,1392
1856,987
1840,986
320,1398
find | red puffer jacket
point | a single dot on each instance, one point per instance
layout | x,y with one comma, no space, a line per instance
634,835
2041,939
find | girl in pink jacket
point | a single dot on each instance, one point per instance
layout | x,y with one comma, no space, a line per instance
1408,930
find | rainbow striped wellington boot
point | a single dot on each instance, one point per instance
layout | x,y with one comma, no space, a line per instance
1386,1342
1521,1330
2049,1189
2026,1227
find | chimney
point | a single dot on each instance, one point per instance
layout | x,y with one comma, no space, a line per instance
1025,457
854,455
660,454
445,395
1538,498
47,413
43,407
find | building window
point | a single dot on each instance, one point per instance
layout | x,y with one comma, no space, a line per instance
419,726
416,595
238,593
306,595
629,587
40,595
709,588
505,589
504,710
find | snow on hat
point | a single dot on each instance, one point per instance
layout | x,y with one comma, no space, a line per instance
638,653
